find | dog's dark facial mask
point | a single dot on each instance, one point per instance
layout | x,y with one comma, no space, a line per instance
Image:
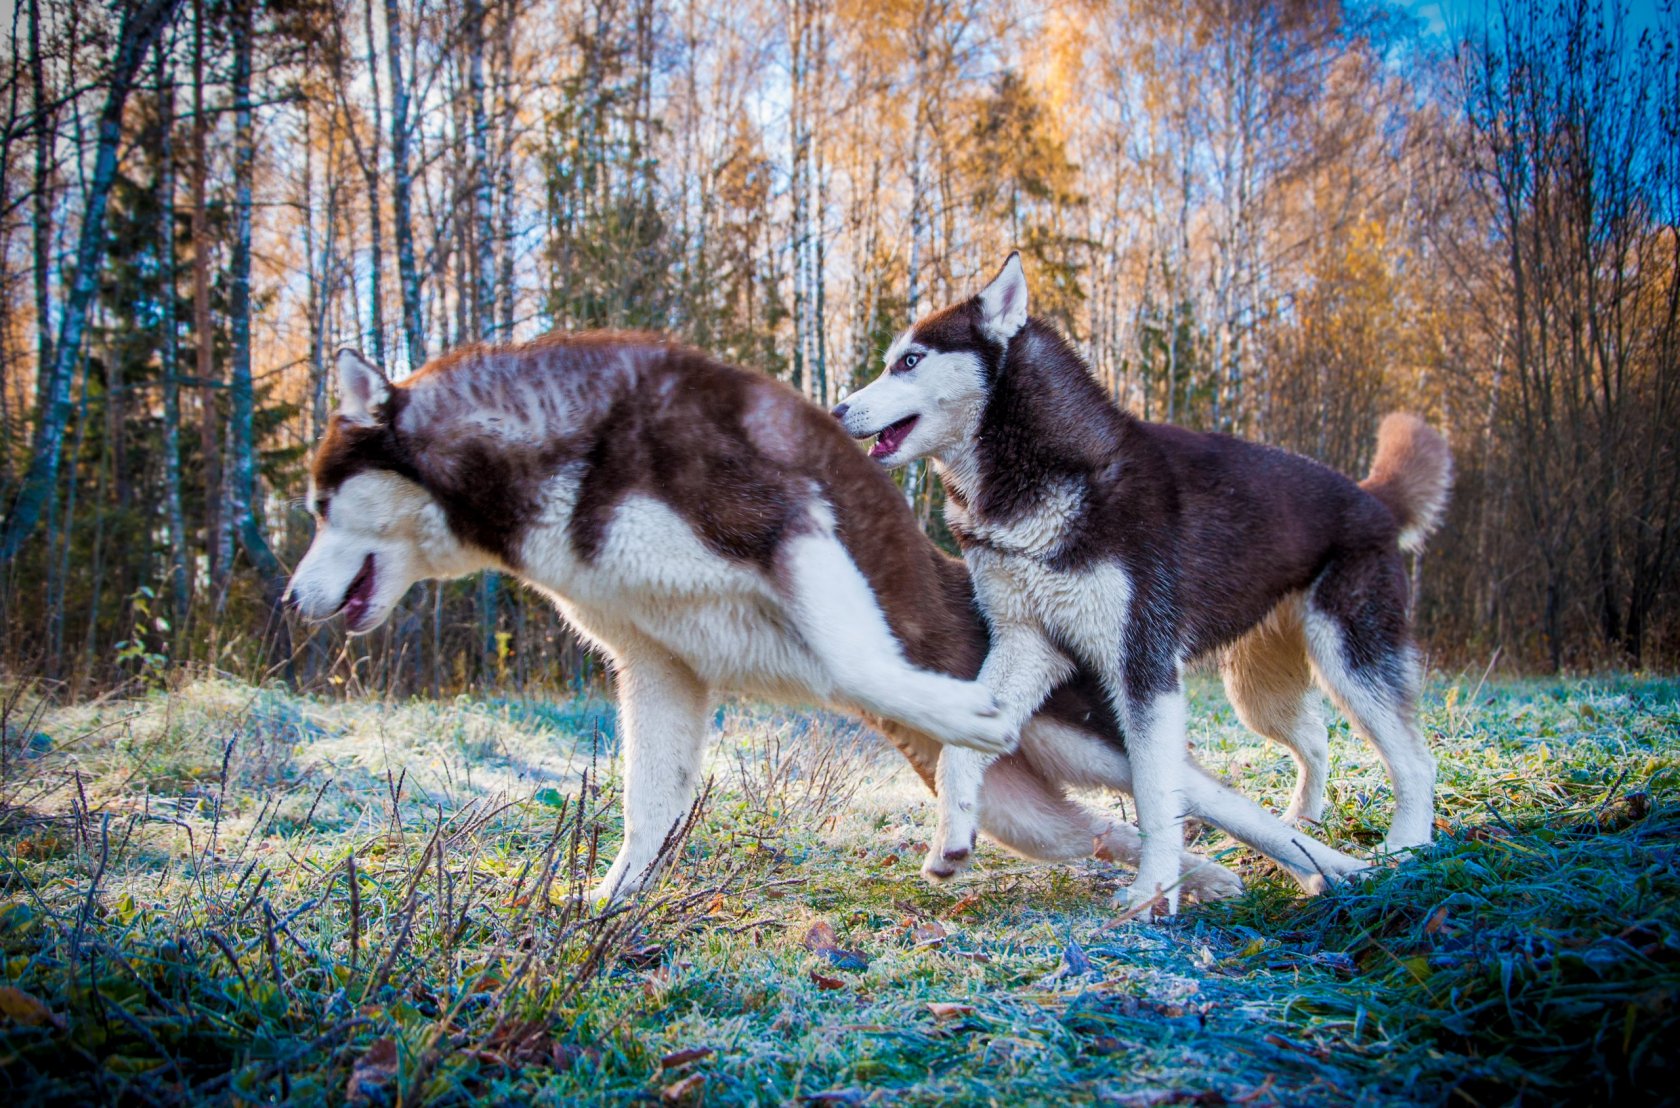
929,399
377,529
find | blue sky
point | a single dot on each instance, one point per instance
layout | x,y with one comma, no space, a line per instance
1440,16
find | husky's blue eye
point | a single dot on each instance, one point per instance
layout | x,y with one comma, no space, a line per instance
910,360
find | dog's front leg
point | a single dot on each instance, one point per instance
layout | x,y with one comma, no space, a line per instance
1155,743
662,724
1021,669
839,618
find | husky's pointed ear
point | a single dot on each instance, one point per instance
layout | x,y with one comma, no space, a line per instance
1003,303
362,389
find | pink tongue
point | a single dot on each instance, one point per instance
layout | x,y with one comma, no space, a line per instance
890,439
361,591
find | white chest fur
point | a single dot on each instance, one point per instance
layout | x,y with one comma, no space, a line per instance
1083,610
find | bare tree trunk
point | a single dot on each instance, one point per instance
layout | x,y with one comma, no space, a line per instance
180,583
45,120
819,260
218,536
798,19
376,223
484,195
242,502
402,191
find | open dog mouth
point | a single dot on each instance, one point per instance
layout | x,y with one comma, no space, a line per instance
891,437
358,596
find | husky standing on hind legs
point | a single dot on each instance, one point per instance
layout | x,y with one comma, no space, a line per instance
1133,548
709,531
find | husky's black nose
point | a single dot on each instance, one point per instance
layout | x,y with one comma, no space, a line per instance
840,411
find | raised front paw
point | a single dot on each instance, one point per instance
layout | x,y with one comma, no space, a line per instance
963,713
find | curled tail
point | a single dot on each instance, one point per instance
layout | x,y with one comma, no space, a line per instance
1411,475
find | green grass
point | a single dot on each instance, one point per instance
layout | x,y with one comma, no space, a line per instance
223,894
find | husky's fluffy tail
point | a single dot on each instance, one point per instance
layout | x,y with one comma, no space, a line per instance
1411,475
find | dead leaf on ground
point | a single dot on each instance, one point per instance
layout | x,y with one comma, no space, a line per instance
821,939
20,1007
684,1091
1436,920
821,936
375,1069
946,1010
966,904
826,983
926,932
683,1057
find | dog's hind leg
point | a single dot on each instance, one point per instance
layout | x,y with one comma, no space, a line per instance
663,715
839,619
1269,682
1064,752
1310,862
1033,818
1358,639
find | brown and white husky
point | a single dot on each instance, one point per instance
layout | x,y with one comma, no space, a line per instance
711,532
1098,540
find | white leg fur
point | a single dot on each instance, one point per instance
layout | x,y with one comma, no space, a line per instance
663,713
1021,668
1058,752
1310,862
1155,741
1386,717
1037,820
837,615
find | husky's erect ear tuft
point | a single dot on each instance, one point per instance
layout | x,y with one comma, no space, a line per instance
1003,303
362,389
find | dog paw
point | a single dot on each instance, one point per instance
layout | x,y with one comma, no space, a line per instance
1207,880
613,892
1402,848
1302,819
1330,867
963,713
947,859
1146,902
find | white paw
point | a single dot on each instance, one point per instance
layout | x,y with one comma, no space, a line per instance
962,713
947,858
1330,866
1399,848
1150,900
1207,880
611,892
1303,818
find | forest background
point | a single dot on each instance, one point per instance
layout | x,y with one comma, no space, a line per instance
1279,220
